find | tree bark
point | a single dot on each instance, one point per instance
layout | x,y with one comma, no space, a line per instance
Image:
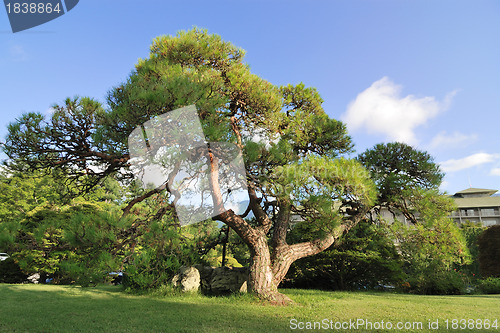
284,255
268,269
261,279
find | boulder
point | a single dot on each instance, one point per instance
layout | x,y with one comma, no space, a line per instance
227,280
34,278
205,276
211,280
188,279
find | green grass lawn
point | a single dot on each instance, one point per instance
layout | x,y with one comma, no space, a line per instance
47,308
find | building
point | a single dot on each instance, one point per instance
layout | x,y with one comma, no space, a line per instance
473,204
477,205
390,217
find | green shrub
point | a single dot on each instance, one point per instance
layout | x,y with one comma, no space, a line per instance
150,269
490,285
431,250
489,252
365,259
471,232
162,250
438,282
10,272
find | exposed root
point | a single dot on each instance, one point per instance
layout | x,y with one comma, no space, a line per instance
277,299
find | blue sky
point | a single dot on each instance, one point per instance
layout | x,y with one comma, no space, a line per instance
423,72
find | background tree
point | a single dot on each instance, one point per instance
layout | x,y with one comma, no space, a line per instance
431,253
401,172
44,230
471,232
489,252
431,245
295,169
22,192
365,258
81,240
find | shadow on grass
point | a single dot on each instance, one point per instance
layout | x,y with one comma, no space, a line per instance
50,308
376,293
42,308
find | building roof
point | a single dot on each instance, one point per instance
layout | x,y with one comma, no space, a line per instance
477,191
477,202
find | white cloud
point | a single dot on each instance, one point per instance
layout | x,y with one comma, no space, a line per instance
381,109
495,172
18,53
445,185
468,162
457,139
259,135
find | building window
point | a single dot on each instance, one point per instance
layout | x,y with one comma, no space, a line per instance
488,212
470,212
490,222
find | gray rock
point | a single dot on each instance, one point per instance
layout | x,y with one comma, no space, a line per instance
226,280
205,276
213,281
34,278
188,279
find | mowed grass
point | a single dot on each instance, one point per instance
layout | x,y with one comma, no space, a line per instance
48,308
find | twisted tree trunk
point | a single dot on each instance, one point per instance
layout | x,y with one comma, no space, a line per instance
268,268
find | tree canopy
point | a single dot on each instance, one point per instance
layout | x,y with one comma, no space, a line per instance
407,179
294,154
